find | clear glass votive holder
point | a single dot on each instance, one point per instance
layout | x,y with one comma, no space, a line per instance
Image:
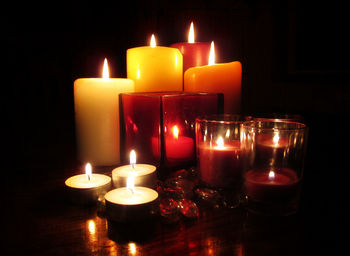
218,140
273,158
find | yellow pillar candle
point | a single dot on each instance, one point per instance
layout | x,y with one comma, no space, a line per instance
96,102
223,78
155,68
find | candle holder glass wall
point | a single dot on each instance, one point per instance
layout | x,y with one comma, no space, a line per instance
218,139
276,117
160,126
274,154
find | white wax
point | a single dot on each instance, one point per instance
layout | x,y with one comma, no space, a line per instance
124,196
139,170
81,181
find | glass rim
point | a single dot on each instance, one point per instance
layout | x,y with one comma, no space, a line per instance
297,125
221,118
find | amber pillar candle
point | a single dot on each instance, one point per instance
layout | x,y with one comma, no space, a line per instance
219,78
155,68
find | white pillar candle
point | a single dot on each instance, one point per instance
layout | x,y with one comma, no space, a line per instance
89,187
96,102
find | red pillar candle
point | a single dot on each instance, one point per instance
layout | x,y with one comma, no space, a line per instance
220,165
271,185
194,53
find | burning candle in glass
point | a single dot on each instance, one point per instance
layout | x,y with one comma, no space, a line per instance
178,148
273,165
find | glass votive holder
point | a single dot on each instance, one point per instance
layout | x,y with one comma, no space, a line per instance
276,117
219,153
274,154
160,126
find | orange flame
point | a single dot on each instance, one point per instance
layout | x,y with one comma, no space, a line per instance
191,34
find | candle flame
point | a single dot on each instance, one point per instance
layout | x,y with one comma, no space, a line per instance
132,158
211,54
153,41
271,175
175,132
220,142
132,248
88,171
227,133
105,72
276,139
191,34
130,182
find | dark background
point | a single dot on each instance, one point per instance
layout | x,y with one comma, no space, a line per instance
295,57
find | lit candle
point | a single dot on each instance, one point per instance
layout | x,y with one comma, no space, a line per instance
144,174
155,68
178,148
220,165
272,185
88,187
130,203
96,102
194,53
221,78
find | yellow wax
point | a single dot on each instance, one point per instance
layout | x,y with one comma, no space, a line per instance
223,78
96,103
124,196
82,181
155,69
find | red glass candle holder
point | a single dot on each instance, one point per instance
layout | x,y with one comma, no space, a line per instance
274,154
160,126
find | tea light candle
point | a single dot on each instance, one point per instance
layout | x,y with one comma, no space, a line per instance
178,147
144,174
130,204
88,187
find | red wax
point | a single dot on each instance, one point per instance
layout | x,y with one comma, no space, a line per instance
179,149
194,54
268,152
220,166
280,188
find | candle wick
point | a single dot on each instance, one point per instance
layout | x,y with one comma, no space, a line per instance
133,165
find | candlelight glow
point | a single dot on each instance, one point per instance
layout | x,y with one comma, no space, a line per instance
105,72
175,132
132,248
191,34
227,133
153,41
88,171
276,139
92,227
211,54
132,158
271,175
130,183
220,142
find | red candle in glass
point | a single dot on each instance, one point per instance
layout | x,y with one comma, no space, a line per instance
271,185
194,53
220,165
177,147
271,150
